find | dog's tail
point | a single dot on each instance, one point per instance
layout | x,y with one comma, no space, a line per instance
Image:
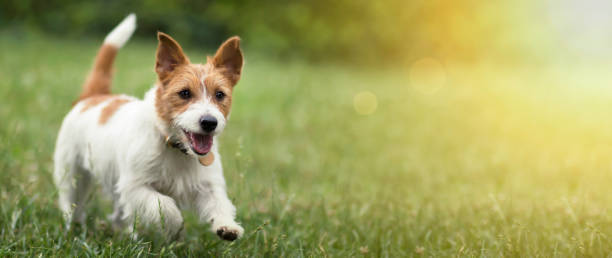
99,80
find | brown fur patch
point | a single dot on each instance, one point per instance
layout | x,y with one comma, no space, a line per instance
110,109
186,77
94,101
229,59
168,57
99,80
218,82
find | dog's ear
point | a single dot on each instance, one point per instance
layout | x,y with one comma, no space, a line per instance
169,56
229,59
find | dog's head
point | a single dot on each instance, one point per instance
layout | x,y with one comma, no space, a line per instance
194,100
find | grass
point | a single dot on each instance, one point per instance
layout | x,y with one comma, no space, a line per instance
499,161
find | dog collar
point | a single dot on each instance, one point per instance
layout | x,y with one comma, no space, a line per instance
205,160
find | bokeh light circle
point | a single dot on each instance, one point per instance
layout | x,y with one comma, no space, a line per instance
427,75
365,103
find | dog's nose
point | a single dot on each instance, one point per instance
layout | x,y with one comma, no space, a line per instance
208,123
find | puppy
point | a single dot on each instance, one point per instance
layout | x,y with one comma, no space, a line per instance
156,155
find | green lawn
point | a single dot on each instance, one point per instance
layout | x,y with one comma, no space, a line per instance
499,161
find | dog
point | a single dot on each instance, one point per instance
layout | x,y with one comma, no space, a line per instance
152,155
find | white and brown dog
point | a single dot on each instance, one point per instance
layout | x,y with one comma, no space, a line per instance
154,155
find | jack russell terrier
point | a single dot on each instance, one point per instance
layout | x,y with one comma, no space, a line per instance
156,155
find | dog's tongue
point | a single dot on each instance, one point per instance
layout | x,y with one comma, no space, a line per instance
200,143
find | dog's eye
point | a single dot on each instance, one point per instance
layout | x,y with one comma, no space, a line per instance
185,94
219,95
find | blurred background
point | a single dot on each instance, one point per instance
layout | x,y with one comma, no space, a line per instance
395,128
360,31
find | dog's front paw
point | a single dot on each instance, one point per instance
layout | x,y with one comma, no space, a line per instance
229,232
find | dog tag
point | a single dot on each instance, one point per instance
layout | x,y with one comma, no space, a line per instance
207,160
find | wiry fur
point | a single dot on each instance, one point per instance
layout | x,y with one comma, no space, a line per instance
119,141
99,80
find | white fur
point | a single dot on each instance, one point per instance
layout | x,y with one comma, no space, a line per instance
122,33
189,120
145,178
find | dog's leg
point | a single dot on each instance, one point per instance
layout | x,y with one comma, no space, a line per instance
117,216
150,206
74,185
215,208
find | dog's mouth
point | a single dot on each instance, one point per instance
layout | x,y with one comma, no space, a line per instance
200,143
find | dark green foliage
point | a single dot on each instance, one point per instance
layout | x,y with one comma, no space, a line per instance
358,31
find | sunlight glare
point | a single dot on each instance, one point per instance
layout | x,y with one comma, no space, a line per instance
583,26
